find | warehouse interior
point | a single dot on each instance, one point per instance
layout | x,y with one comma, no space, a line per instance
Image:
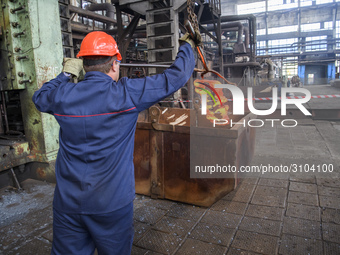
265,45
302,36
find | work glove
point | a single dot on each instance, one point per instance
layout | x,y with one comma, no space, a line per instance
73,66
197,41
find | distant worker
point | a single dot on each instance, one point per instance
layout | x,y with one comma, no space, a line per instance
93,199
288,83
296,81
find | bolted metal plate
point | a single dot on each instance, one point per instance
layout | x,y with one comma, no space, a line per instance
330,202
234,251
328,182
223,219
245,187
213,234
260,243
229,206
138,251
262,226
148,214
276,201
34,246
153,253
299,245
179,227
141,201
273,182
331,248
265,212
163,204
240,195
303,198
36,220
33,223
330,215
301,227
307,212
250,181
186,212
191,247
160,242
269,175
329,191
140,229
269,191
48,235
296,178
331,232
303,187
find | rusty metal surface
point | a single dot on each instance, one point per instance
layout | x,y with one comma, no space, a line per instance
13,153
141,161
162,156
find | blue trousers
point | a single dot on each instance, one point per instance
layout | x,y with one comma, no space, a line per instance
111,233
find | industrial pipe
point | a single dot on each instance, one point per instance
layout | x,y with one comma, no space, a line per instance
252,29
250,17
246,36
235,25
109,8
231,25
83,29
143,65
91,15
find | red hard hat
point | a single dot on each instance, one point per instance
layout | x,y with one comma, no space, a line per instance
99,44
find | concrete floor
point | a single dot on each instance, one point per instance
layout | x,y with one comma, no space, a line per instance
267,213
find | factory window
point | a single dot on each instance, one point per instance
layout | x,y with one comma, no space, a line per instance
306,2
290,67
274,5
310,27
328,25
260,52
337,29
261,32
323,1
261,45
316,43
251,8
285,29
282,46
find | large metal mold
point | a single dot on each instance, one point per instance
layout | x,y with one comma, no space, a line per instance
162,155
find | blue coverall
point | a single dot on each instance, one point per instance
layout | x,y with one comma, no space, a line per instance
94,167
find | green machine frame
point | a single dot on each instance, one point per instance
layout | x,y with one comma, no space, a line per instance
31,54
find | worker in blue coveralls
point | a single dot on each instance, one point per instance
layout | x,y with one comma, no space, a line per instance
93,199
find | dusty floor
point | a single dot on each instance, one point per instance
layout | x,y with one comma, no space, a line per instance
268,214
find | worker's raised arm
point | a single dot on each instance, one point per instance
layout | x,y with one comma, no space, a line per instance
147,91
44,98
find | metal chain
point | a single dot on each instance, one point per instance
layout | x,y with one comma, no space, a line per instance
191,14
194,22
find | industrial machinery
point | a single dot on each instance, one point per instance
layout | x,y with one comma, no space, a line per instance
31,54
36,35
